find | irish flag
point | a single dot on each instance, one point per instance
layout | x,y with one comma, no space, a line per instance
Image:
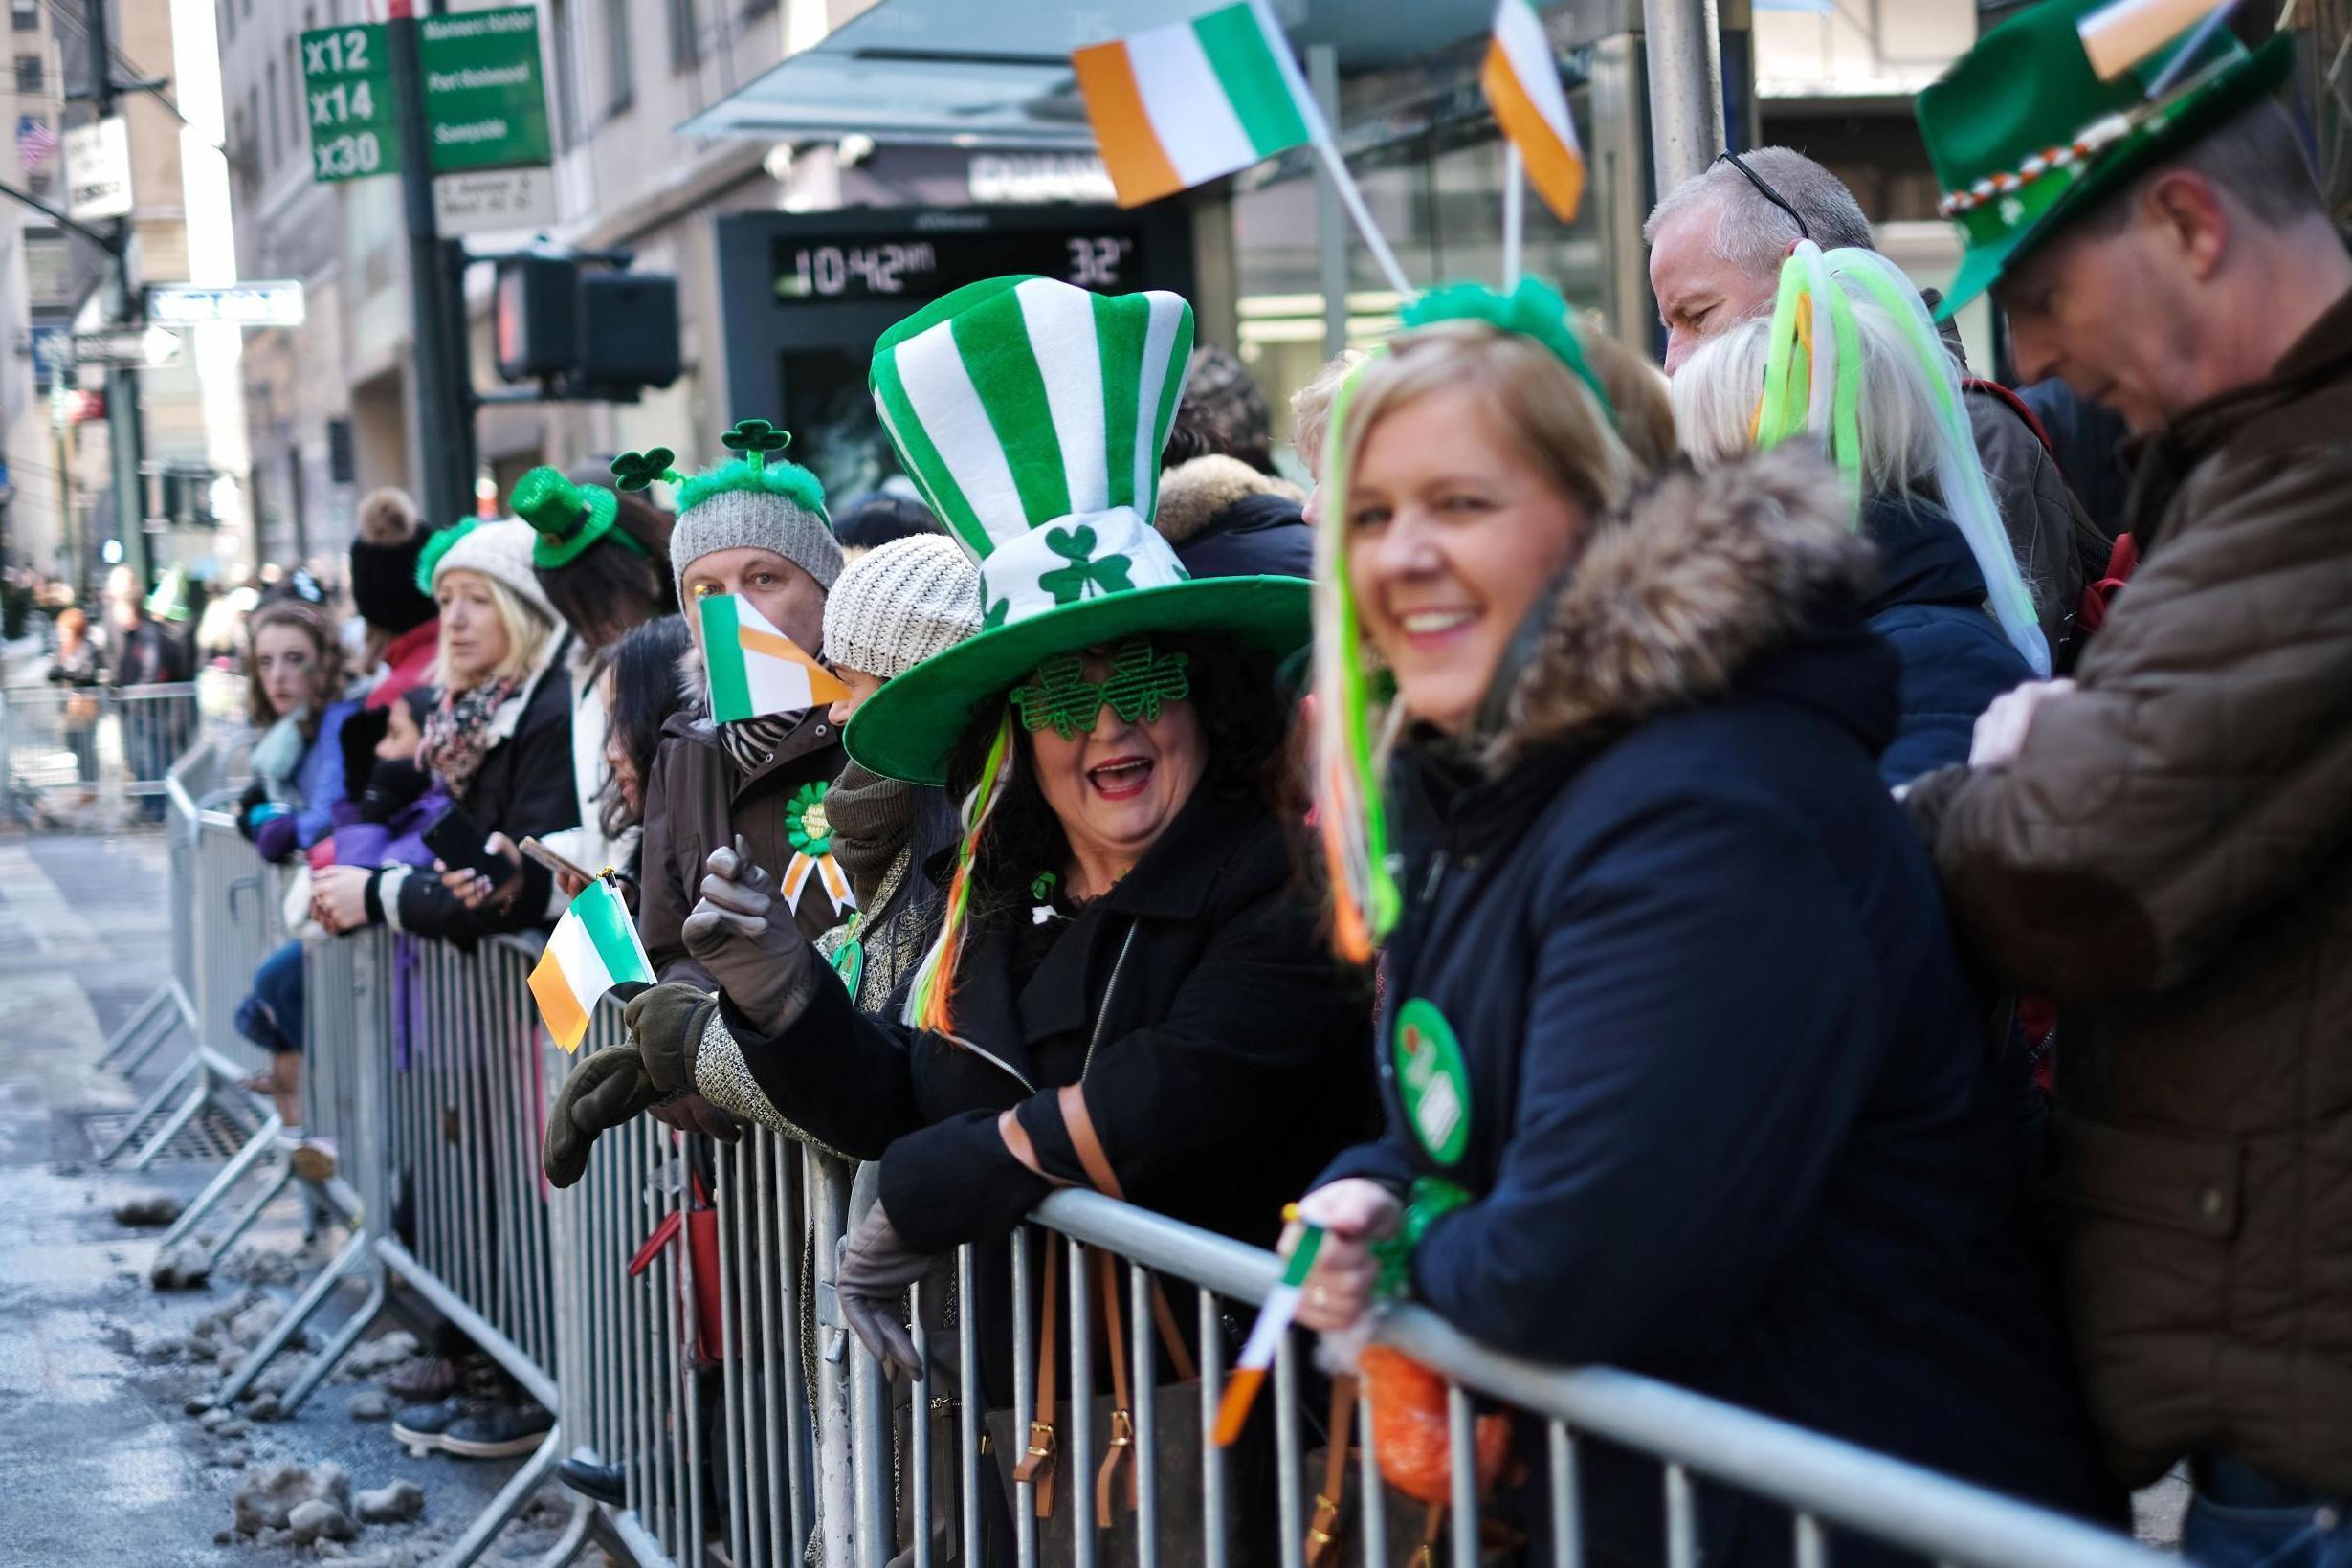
754,668
1523,87
594,948
1179,105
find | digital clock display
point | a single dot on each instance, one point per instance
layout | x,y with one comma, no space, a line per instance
816,269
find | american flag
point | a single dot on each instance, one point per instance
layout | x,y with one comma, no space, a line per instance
35,143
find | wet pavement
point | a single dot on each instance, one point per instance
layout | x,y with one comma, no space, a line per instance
104,1464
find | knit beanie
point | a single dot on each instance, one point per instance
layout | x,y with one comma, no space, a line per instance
383,557
898,604
728,516
499,550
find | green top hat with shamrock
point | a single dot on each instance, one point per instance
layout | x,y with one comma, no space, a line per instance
2065,104
1031,415
566,517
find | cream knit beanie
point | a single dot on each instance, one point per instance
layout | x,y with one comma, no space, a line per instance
897,606
500,551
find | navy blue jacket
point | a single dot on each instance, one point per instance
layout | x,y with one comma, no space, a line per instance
1930,605
1734,1115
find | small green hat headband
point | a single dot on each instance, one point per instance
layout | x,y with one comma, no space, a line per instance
755,441
567,518
438,543
1534,309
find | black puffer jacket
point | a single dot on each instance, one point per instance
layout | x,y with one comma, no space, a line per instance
1726,1112
1228,520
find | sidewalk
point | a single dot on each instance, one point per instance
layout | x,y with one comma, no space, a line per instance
104,1464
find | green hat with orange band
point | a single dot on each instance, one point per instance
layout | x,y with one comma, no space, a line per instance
2066,104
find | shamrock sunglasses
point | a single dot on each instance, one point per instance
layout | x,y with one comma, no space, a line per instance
1141,680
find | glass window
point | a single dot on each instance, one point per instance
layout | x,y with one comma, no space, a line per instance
685,34
566,86
620,86
274,127
25,15
28,74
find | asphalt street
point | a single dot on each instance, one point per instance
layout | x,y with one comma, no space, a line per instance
103,1462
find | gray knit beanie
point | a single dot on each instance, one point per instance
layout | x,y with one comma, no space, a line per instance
897,606
765,520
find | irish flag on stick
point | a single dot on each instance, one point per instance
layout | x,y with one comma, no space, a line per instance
1180,105
1521,82
754,668
594,948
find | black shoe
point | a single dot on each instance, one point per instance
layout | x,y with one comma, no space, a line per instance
481,1386
602,1483
511,1427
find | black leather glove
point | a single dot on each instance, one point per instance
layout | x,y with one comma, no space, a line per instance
742,932
876,1266
609,1090
665,1025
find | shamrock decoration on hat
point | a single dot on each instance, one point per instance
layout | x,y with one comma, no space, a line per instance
755,499
1032,414
2065,104
569,518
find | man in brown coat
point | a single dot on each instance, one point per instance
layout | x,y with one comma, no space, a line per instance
2165,845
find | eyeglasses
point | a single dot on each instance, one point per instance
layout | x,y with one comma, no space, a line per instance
1766,191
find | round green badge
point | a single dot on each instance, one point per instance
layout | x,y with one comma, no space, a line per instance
1432,1080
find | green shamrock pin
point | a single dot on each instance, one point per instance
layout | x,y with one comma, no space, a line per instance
1068,584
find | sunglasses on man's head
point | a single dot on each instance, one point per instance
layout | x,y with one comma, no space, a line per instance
1766,190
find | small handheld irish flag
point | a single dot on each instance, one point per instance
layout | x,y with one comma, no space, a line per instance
1266,1334
1521,82
594,948
754,668
1179,105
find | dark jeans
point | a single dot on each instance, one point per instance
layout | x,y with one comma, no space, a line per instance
2243,1518
272,1016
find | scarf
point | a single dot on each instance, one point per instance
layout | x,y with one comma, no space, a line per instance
458,734
278,754
871,816
751,743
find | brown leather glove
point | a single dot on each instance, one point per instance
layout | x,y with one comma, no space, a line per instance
742,932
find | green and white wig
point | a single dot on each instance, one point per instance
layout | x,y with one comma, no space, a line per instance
1356,720
1851,361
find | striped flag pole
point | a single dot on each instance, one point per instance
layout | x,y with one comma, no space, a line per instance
1273,1317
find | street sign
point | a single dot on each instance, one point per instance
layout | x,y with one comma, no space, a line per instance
131,348
485,106
274,302
347,88
493,198
98,171
52,348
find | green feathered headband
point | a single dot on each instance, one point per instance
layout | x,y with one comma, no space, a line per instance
755,441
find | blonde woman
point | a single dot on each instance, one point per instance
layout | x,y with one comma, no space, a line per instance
499,740
1680,1066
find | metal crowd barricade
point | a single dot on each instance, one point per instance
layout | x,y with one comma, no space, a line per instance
95,748
235,922
172,1004
721,1447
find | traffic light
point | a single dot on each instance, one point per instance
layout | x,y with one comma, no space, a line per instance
585,332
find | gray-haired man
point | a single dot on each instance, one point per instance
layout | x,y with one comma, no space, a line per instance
1715,246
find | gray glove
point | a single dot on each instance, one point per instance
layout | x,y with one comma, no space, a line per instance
742,932
876,1266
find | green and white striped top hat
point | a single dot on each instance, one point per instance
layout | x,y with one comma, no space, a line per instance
1032,414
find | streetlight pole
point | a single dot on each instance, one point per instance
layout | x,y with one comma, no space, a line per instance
439,385
1686,87
125,437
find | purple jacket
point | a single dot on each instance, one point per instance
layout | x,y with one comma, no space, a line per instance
398,842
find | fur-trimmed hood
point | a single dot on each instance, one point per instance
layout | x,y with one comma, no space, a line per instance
1195,495
1674,594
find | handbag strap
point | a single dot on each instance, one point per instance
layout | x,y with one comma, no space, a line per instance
1121,1447
1323,1531
1037,1465
1079,1123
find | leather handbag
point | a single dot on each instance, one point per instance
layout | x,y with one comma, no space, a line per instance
1059,1488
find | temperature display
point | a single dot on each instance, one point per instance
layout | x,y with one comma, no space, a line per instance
870,267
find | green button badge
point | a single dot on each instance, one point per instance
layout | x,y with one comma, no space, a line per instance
1432,1080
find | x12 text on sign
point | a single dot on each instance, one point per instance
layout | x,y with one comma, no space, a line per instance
485,102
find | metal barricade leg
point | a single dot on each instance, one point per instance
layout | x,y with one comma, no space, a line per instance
157,1009
153,1106
510,1502
256,1149
356,1257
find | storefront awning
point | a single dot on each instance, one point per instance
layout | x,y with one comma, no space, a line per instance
996,72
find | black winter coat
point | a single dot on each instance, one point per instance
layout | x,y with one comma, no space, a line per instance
524,788
1732,1116
1930,606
